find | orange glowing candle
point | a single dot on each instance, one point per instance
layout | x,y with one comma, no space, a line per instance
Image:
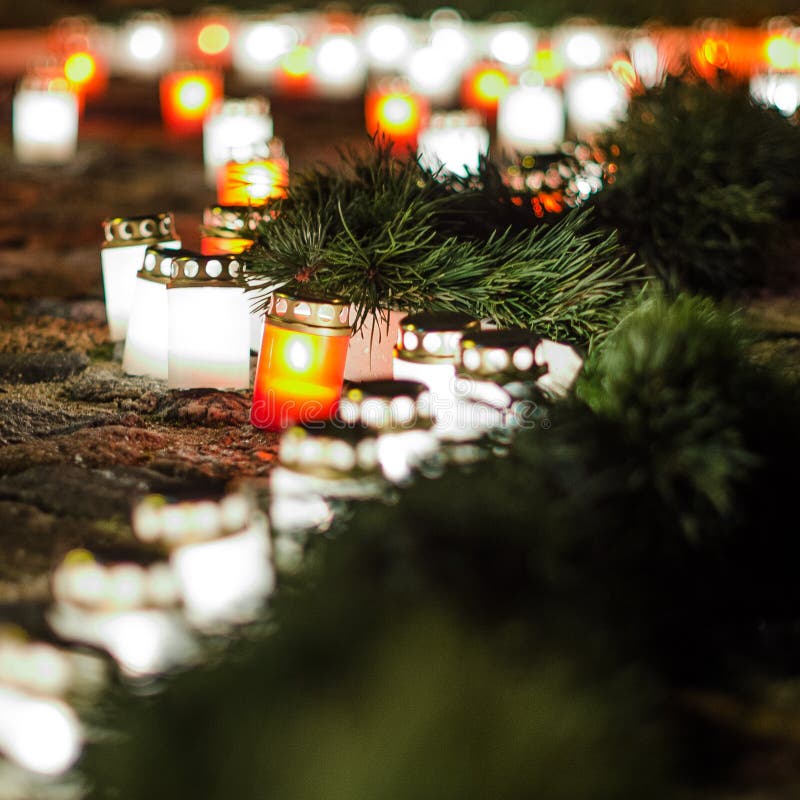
226,229
482,88
212,41
186,99
392,111
301,364
262,176
87,75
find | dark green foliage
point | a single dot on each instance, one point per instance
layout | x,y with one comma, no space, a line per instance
704,179
384,233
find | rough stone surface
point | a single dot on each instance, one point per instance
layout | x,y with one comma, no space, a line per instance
22,420
36,367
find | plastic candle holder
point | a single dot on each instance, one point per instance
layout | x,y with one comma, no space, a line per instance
393,111
45,121
255,178
301,362
187,97
122,254
148,329
146,45
208,324
426,351
530,118
387,40
338,67
454,143
234,126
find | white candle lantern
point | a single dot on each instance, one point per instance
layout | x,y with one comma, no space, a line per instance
511,44
261,43
433,74
530,118
583,46
648,64
122,254
595,102
45,121
209,337
339,68
369,353
398,411
234,126
146,45
454,143
780,90
426,351
148,328
387,40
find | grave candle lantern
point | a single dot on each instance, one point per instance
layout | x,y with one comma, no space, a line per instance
45,120
301,363
595,101
339,69
454,143
258,176
208,324
483,86
530,117
427,349
234,126
126,240
186,99
387,41
148,330
146,45
393,111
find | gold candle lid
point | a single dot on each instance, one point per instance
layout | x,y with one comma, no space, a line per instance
157,263
147,229
197,270
385,405
330,450
236,219
241,106
500,354
323,316
433,337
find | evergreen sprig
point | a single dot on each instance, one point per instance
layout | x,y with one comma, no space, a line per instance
386,234
704,180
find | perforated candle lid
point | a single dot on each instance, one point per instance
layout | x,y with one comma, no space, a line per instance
433,337
324,316
236,219
147,229
507,354
157,263
241,106
385,405
197,270
330,450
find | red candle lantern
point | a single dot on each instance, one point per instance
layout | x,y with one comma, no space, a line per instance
301,363
86,73
186,99
482,88
261,175
211,38
393,111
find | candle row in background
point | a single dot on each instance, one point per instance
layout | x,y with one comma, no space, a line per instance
578,75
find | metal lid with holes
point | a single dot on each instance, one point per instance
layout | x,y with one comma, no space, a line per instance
456,120
323,316
147,229
236,219
500,354
258,151
433,337
157,263
197,270
330,450
385,405
241,107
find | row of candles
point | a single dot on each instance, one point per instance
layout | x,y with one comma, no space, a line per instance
460,392
533,85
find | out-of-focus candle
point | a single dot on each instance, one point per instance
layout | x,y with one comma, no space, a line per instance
45,120
339,69
530,118
595,102
780,90
301,363
454,143
148,328
387,40
393,111
583,46
258,177
146,45
511,44
234,127
209,341
187,97
122,254
482,88
261,42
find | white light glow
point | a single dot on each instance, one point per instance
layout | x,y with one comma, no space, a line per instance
147,47
146,340
647,62
399,453
456,149
779,90
433,74
387,43
209,338
299,355
584,50
530,119
42,735
260,46
512,46
338,66
595,102
563,367
439,378
452,43
227,580
146,43
45,126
